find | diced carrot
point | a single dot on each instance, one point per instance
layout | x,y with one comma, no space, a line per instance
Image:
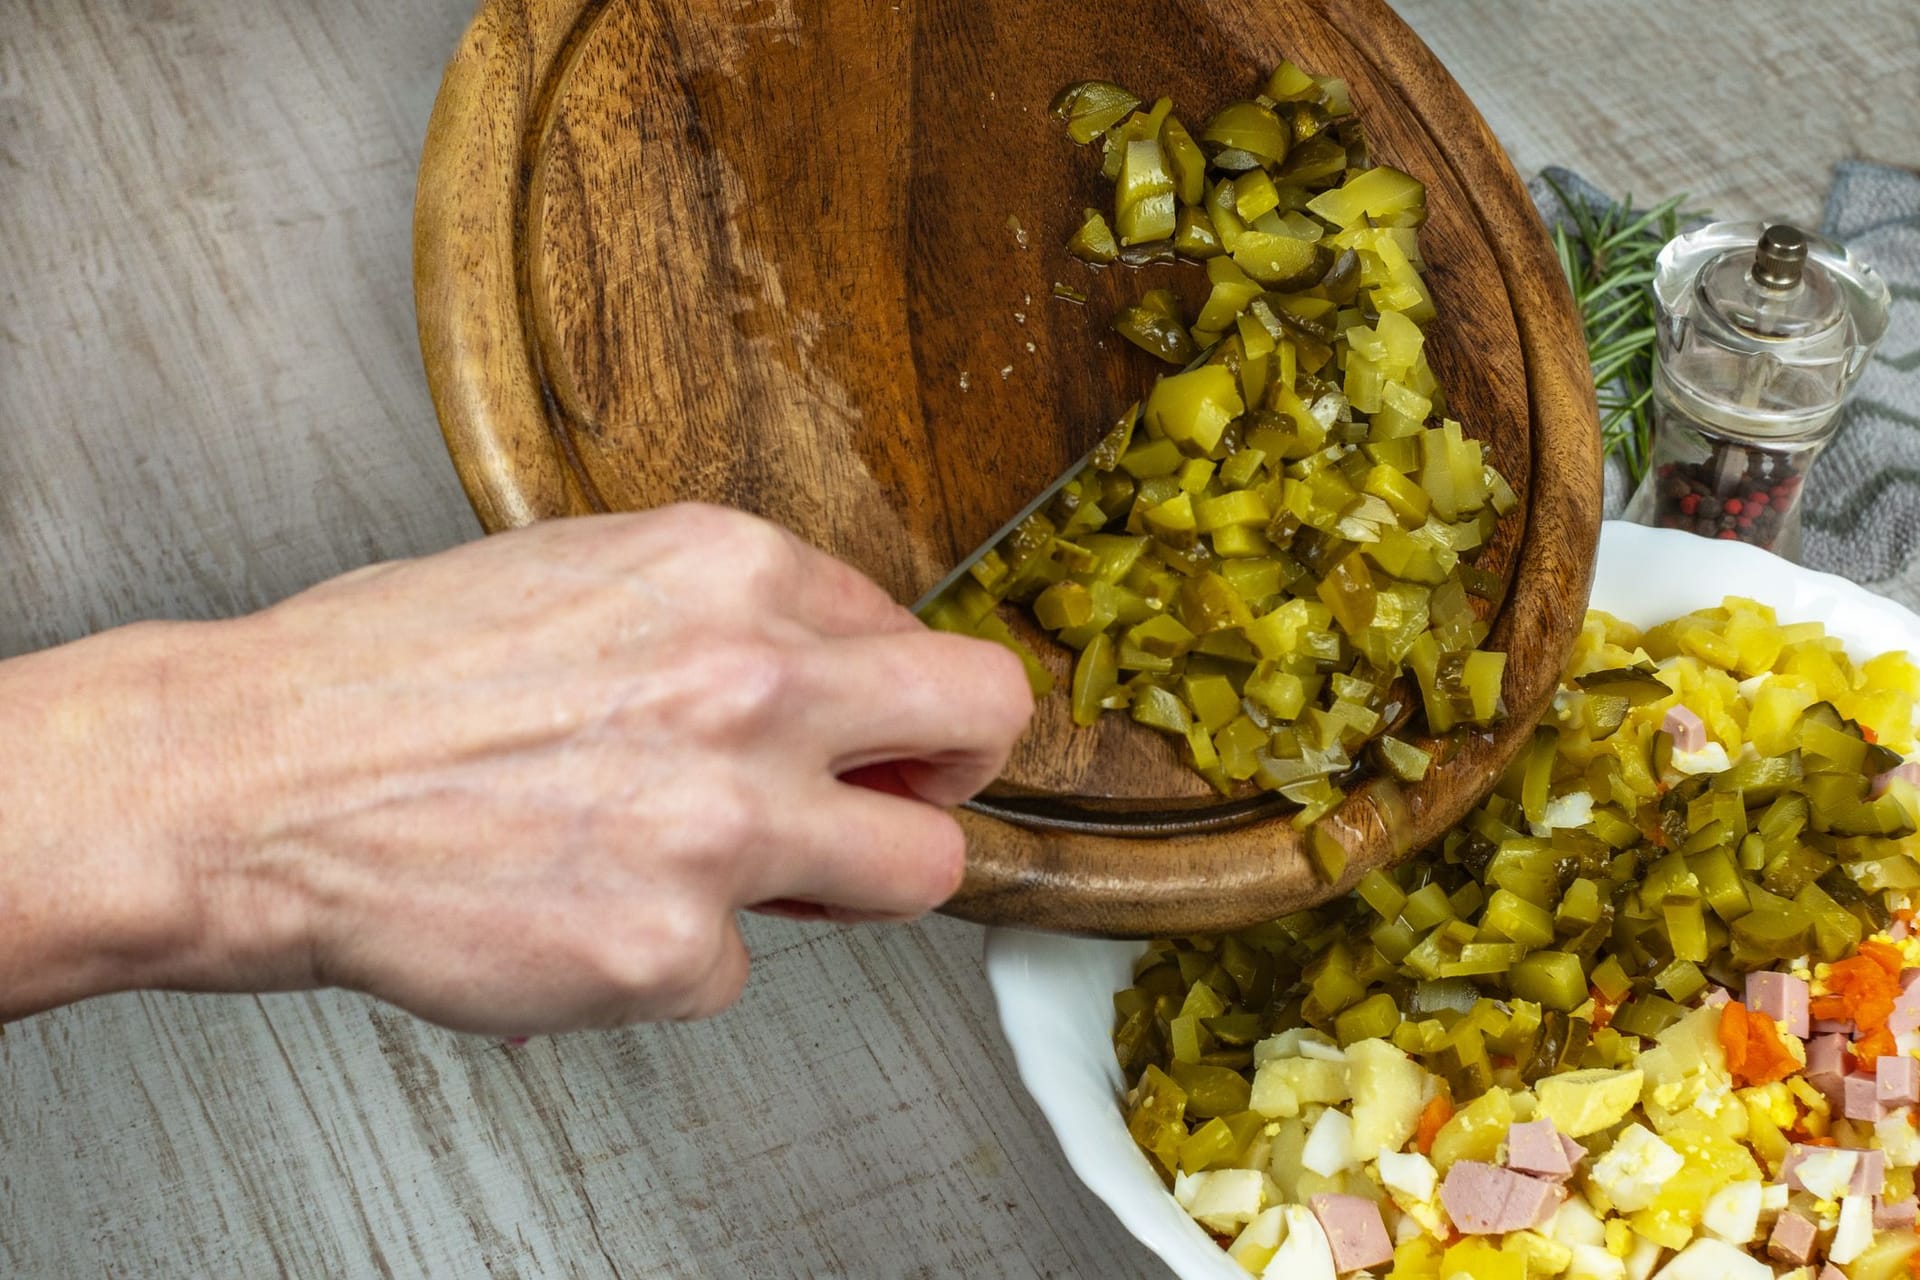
1733,1036
1755,1053
1886,956
1860,989
1866,732
1432,1117
1603,1009
1824,1140
1873,1046
1767,1056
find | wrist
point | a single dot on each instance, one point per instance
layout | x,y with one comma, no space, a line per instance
118,828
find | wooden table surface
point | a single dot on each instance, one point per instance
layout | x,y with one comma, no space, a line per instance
210,396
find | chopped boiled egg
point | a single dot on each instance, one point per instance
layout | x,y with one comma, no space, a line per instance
1634,1169
1714,1260
1329,1148
1304,1252
1409,1176
1711,758
1854,1232
1733,1212
1224,1199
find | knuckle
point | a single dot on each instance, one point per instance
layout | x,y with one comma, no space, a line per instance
729,820
657,962
738,686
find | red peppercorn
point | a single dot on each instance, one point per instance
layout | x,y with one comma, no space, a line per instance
1758,498
1690,504
1746,522
1729,535
1734,506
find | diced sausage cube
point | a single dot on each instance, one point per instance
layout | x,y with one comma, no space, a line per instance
1870,1175
1897,1216
1484,1199
1534,1147
1354,1229
1792,1239
1827,1066
1782,997
1898,1078
1863,1099
1688,731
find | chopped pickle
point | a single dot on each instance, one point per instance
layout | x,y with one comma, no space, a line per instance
1091,107
1143,199
1093,241
1251,129
1271,558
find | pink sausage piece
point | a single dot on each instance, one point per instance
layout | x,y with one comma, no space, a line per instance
1905,1018
1354,1230
1534,1147
1831,1272
1484,1199
1716,998
1792,1239
1899,1080
1900,1214
1863,1099
1575,1152
1908,773
1870,1175
1782,997
1688,731
1827,1066
1831,1027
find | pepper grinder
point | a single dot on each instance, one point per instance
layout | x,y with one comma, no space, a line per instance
1762,331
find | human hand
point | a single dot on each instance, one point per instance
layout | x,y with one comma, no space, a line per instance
523,786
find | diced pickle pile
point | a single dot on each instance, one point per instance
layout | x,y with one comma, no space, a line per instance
1261,550
1717,813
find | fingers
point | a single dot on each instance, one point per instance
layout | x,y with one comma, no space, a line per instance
954,706
859,853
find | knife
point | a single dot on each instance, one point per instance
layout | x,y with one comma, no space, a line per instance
1047,495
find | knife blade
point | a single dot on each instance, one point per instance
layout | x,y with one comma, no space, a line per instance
993,539
1046,495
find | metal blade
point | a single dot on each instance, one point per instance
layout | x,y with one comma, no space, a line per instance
1046,496
993,539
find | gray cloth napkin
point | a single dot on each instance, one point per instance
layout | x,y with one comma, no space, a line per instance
1861,516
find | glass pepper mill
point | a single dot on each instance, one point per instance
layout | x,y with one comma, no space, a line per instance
1762,331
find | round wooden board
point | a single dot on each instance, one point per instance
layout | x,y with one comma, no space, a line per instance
799,258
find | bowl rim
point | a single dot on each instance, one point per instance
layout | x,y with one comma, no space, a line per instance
1661,573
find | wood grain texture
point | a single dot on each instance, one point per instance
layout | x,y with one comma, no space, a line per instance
212,396
773,256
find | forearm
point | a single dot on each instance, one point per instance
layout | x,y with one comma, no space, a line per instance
92,896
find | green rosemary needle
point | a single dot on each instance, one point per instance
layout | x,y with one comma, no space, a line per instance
1608,255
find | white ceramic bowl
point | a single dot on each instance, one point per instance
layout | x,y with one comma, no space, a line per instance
1054,993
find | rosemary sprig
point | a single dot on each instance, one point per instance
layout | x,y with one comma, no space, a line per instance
1608,256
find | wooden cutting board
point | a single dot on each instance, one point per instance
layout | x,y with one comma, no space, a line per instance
802,257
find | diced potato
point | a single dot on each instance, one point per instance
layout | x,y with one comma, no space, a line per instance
1475,1132
1281,1086
1584,1102
1388,1091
